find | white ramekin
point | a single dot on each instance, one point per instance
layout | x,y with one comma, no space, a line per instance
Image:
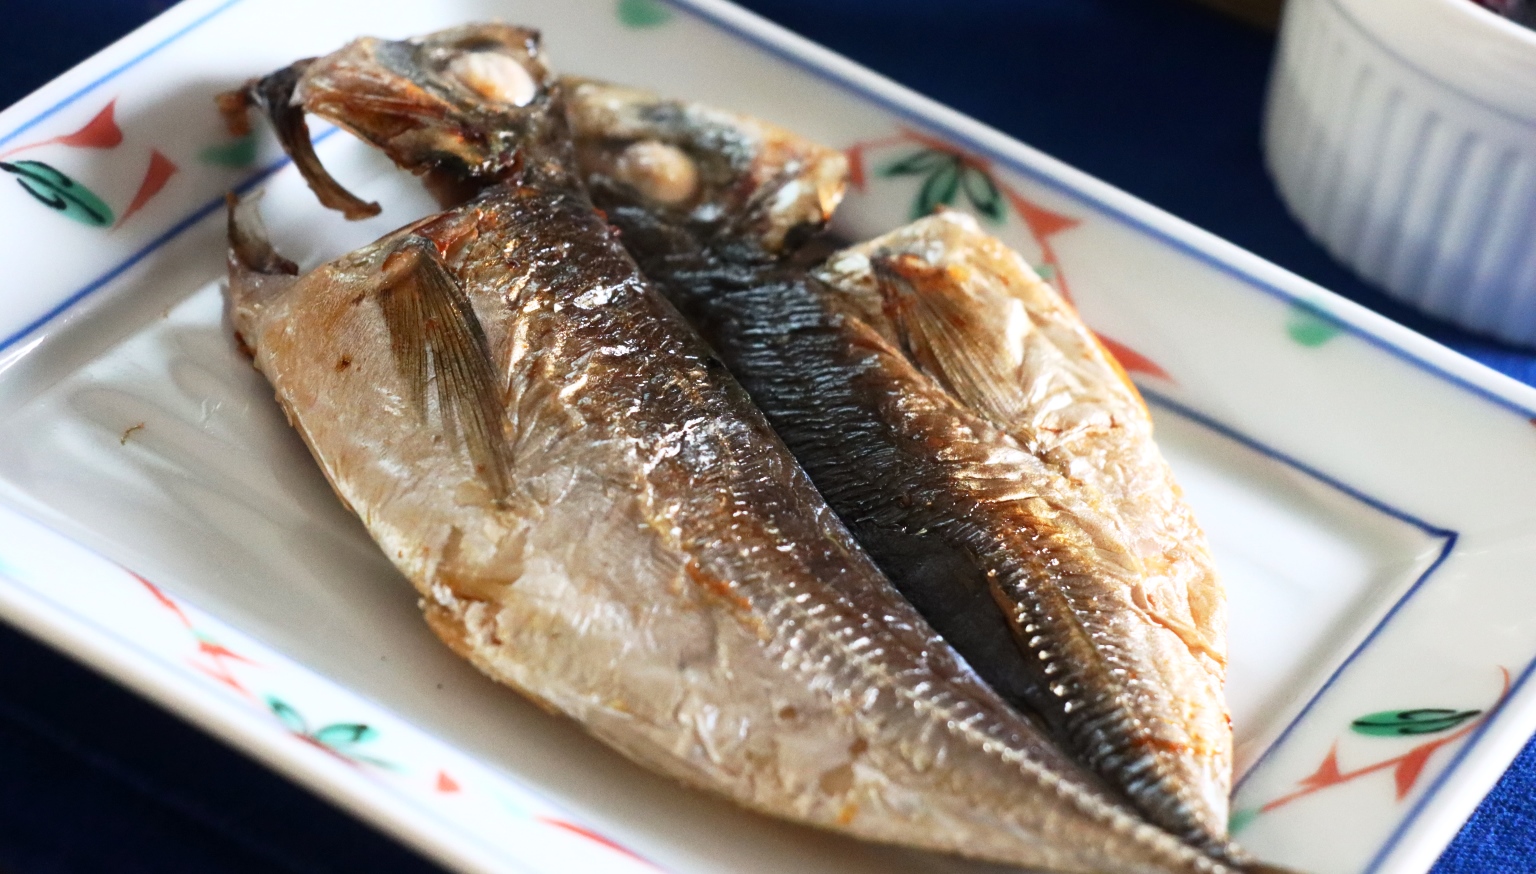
1402,134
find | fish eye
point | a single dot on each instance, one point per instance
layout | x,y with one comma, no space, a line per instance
495,76
660,171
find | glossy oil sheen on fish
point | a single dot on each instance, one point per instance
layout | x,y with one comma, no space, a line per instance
974,435
595,514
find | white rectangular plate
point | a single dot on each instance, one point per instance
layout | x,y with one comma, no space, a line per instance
1369,495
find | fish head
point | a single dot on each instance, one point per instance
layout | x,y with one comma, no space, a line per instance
463,107
736,173
461,101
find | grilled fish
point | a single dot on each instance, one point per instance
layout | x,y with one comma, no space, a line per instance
594,513
980,443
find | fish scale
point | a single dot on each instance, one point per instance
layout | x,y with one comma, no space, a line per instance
771,334
875,432
811,690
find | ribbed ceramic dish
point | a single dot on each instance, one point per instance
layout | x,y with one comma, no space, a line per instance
1368,494
1402,134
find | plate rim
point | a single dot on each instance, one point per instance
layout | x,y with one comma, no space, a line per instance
1105,199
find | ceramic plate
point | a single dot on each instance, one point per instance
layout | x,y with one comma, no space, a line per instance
1370,495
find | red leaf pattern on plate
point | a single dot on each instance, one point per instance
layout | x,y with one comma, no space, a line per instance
101,132
1041,222
159,172
1406,768
594,836
1131,360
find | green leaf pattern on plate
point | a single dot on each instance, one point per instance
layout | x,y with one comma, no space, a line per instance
918,163
982,193
55,190
290,718
340,738
345,734
1310,326
1240,819
1423,720
235,153
643,13
946,175
938,189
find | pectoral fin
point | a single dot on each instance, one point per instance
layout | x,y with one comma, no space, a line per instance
968,347
436,338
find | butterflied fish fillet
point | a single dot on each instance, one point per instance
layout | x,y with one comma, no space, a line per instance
980,443
595,514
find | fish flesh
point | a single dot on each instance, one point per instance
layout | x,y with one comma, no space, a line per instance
432,145
594,513
978,440
1112,593
711,200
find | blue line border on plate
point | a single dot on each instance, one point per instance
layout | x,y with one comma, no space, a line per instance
1445,773
1044,178
1227,431
115,72
1447,537
143,252
1017,166
896,108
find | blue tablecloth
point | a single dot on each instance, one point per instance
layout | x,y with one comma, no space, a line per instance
1156,96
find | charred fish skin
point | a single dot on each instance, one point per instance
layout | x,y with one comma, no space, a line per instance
594,514
467,103
1114,597
959,468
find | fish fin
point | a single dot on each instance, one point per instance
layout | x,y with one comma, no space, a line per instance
936,322
400,303
435,337
274,95
257,273
249,246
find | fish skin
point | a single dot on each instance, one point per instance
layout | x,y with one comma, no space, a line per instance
658,567
1124,537
407,98
757,181
979,442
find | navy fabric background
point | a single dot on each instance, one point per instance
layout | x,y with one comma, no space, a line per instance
1156,96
